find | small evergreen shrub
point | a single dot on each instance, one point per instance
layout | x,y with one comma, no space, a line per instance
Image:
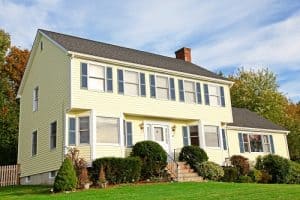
153,157
65,179
245,179
241,163
276,166
259,163
117,170
193,155
210,170
265,177
294,175
230,174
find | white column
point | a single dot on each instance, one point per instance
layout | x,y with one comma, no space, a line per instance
66,131
201,135
121,131
93,134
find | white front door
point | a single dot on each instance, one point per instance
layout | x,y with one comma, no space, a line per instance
159,133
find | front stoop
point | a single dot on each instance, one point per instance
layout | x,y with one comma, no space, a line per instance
187,174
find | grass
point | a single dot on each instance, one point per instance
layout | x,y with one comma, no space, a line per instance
210,190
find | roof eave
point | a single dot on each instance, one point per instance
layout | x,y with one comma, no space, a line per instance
233,127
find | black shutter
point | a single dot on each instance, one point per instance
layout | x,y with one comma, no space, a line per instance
172,89
84,76
143,85
198,91
222,96
242,149
181,90
120,82
152,86
206,94
109,81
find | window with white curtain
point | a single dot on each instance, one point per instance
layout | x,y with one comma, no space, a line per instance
107,130
162,87
131,83
214,95
96,77
190,92
212,138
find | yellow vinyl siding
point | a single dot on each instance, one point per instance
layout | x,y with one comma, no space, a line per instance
115,104
50,72
279,140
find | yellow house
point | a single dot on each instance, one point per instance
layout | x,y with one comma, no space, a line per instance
102,99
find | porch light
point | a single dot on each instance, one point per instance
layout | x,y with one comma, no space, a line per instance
141,126
173,128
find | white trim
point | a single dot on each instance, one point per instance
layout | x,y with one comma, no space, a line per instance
93,134
238,128
218,125
149,68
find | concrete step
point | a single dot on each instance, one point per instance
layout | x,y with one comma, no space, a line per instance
185,171
190,179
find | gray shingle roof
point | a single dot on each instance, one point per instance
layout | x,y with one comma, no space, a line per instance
81,45
243,117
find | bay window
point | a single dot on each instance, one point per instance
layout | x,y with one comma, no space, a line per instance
107,130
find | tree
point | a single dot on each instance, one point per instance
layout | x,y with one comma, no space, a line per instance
4,45
14,67
258,92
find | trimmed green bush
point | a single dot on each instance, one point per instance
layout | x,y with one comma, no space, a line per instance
193,155
276,166
117,170
153,157
294,175
230,174
245,179
241,163
210,170
66,179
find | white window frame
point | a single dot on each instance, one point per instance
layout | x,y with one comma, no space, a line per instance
168,88
78,131
262,142
185,91
89,77
218,134
35,99
119,133
50,174
126,82
268,143
213,95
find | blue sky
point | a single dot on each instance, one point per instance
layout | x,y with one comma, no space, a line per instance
223,35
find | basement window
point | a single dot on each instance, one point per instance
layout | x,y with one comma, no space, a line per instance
52,174
28,179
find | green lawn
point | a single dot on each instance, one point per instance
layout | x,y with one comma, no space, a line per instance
210,190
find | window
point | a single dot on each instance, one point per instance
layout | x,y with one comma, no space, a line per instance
28,179
267,144
35,99
53,130
246,143
194,136
254,143
96,77
107,130
189,90
72,131
159,134
162,87
34,143
52,174
128,133
214,95
84,130
131,83
212,136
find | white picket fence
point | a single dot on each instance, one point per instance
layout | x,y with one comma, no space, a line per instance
9,175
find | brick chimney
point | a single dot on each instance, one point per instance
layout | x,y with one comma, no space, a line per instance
184,54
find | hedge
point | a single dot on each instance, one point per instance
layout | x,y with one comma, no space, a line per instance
117,170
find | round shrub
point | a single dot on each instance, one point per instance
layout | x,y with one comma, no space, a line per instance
230,174
294,175
276,166
245,179
153,157
193,155
210,170
241,163
66,179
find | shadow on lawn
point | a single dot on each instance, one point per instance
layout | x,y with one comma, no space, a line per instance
24,190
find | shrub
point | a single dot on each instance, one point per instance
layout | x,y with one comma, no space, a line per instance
153,157
117,170
193,155
210,170
265,177
66,179
241,163
245,179
294,175
230,174
259,163
83,178
276,166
